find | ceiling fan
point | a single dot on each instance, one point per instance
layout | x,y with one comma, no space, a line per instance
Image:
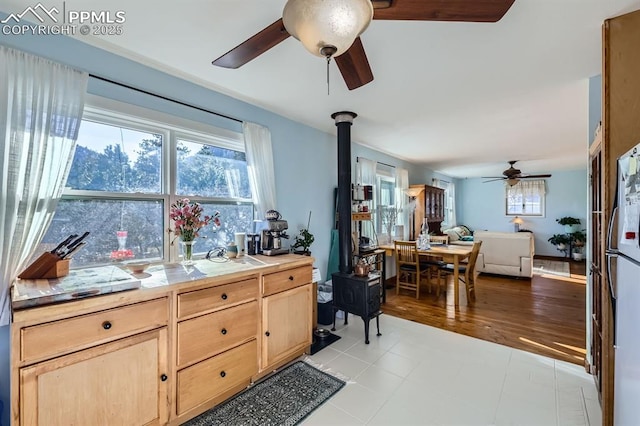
351,58
513,175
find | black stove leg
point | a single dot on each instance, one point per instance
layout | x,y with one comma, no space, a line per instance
346,317
366,331
378,325
334,319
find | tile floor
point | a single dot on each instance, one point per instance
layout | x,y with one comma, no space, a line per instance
419,375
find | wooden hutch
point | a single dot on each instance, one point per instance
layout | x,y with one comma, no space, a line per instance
429,206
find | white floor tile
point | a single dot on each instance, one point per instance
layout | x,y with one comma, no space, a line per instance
419,375
396,364
358,401
329,414
379,380
347,365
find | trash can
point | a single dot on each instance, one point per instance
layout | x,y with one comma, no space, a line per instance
325,304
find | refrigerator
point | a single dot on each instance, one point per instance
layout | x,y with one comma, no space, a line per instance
623,271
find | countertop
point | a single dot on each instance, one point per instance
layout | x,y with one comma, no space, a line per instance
90,282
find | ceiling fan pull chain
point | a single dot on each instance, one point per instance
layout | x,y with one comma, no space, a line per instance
328,60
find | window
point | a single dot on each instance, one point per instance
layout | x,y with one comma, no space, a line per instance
526,198
127,171
449,202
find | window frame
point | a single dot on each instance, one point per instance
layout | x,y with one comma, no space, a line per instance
543,203
115,113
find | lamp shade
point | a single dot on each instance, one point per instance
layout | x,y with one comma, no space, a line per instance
413,192
517,220
327,23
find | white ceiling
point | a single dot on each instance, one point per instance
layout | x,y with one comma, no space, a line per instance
460,98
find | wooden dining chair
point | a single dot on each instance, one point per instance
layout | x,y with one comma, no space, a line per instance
407,266
442,239
465,271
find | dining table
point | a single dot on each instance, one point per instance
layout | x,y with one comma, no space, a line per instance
449,253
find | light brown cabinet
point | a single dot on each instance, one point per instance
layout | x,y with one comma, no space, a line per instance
286,316
429,206
216,343
158,355
124,380
620,132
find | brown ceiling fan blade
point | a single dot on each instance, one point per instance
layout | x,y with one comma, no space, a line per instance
354,66
254,46
444,10
493,180
493,177
534,176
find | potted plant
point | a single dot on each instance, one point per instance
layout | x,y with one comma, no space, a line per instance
578,238
568,222
560,241
302,242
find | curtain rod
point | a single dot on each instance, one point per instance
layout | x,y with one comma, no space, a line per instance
163,97
379,162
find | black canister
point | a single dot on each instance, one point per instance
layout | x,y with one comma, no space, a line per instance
253,244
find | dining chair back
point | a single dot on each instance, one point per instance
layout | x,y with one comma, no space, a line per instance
408,266
466,272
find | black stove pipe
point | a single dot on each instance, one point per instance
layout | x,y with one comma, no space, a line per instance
343,120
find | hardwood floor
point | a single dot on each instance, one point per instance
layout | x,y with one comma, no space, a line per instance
544,315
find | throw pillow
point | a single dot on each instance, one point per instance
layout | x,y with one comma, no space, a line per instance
465,230
453,235
466,238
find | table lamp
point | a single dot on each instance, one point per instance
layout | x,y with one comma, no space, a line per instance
517,221
412,193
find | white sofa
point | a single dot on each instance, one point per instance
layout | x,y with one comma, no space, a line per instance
505,253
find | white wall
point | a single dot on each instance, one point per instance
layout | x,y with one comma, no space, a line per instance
482,205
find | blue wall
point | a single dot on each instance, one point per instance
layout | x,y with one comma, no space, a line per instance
481,206
595,104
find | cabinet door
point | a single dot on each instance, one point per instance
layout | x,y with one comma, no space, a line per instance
286,322
115,383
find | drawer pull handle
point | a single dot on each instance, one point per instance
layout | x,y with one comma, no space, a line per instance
224,296
267,334
290,277
164,377
223,331
106,325
222,374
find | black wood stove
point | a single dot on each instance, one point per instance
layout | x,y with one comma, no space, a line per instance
359,295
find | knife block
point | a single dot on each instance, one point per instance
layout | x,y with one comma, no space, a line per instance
48,265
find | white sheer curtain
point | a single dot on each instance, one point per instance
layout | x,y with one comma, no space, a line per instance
449,201
402,184
366,172
41,105
257,141
527,187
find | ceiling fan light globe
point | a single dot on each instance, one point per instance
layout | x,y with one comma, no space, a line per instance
512,182
321,23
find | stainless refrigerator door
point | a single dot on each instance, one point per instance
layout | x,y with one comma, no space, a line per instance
628,245
627,365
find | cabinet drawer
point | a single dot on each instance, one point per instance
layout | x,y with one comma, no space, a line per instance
284,280
207,299
210,334
214,376
49,339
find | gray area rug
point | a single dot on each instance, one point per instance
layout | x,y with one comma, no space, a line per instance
551,267
285,398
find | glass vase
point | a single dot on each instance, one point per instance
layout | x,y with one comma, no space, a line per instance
187,252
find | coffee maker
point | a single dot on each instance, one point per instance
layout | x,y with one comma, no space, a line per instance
272,236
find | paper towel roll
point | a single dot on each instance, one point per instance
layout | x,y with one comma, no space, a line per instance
241,238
